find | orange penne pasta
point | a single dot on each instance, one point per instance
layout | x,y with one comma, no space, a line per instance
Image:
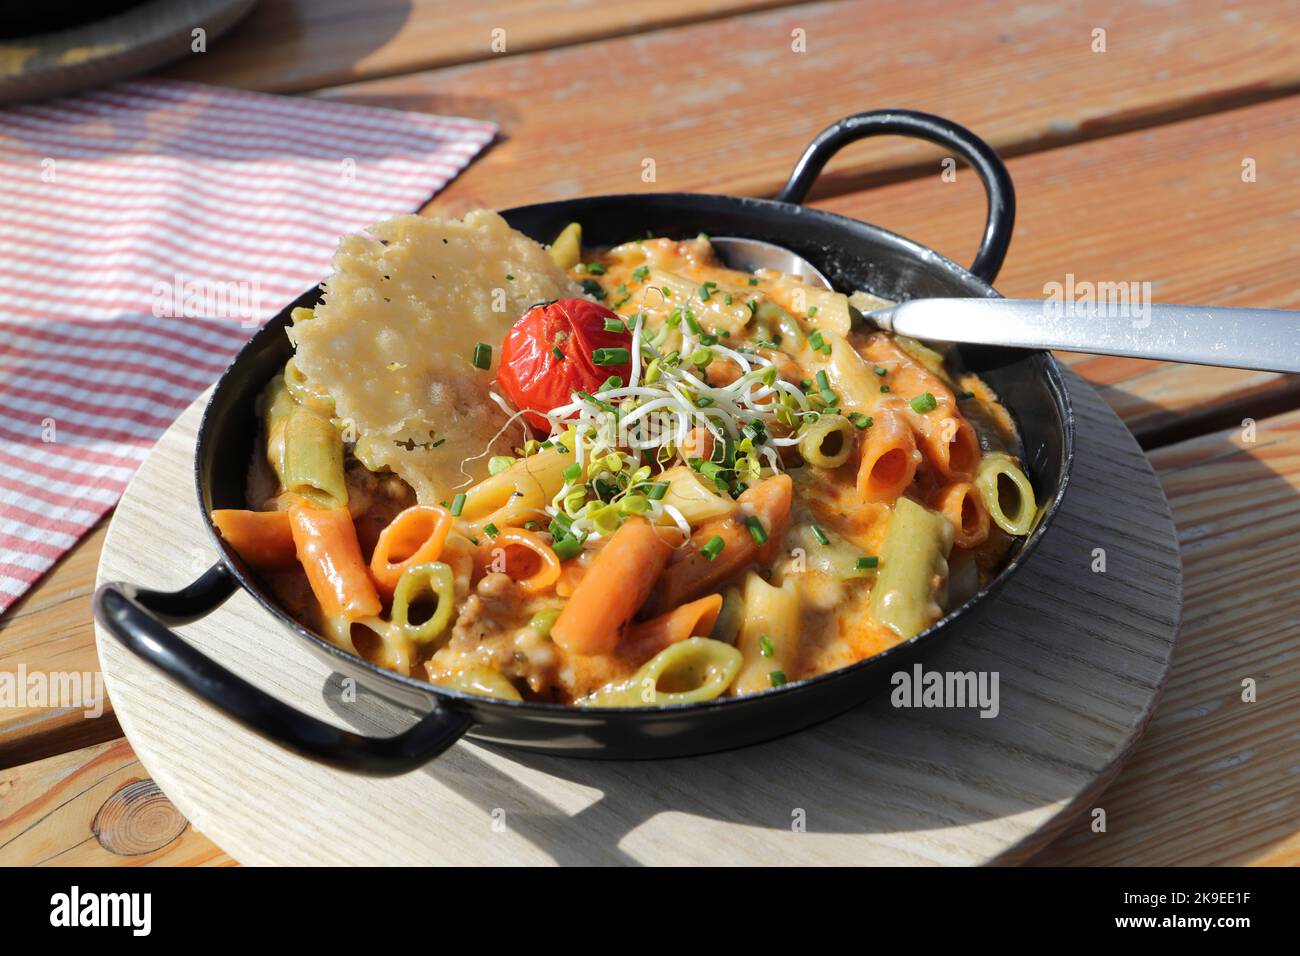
770,501
889,458
696,619
525,557
951,446
262,538
415,536
960,503
692,572
613,588
326,542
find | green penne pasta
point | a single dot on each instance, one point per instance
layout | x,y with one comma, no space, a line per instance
306,392
434,580
311,464
913,569
689,671
1006,492
827,442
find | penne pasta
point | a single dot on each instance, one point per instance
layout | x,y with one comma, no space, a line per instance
648,638
263,539
483,681
1006,492
566,250
693,498
519,493
769,635
415,537
962,505
424,582
326,542
526,558
694,670
889,458
911,582
828,442
614,587
720,548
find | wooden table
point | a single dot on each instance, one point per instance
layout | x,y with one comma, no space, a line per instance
1131,163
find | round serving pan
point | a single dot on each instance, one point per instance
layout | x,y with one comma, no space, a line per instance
852,254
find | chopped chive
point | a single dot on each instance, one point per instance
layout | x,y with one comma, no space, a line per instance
491,530
756,530
778,678
656,491
603,406
713,547
557,353
765,646
861,421
457,505
820,535
567,547
923,403
482,355
867,563
615,325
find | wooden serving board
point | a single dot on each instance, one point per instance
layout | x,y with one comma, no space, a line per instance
1080,656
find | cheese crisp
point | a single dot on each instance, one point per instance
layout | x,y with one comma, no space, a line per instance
393,342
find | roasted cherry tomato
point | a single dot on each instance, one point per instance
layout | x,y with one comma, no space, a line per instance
558,348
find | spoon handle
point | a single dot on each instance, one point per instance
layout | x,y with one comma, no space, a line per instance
1264,339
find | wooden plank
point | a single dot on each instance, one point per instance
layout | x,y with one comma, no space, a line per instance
1166,206
1215,780
94,807
48,632
293,45
727,106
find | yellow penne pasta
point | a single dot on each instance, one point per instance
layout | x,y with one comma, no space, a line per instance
769,635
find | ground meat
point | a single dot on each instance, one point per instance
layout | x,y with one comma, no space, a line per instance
494,607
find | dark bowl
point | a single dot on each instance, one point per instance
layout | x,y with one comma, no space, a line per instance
853,255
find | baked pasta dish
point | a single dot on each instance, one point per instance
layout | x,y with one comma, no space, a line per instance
620,477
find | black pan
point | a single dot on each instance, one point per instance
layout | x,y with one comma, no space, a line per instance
853,255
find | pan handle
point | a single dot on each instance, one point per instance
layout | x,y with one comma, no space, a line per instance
992,171
139,618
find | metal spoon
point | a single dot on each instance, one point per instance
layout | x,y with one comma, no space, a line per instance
1264,339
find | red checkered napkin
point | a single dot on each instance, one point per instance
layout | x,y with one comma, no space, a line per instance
146,230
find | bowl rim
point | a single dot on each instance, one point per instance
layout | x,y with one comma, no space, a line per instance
1052,371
